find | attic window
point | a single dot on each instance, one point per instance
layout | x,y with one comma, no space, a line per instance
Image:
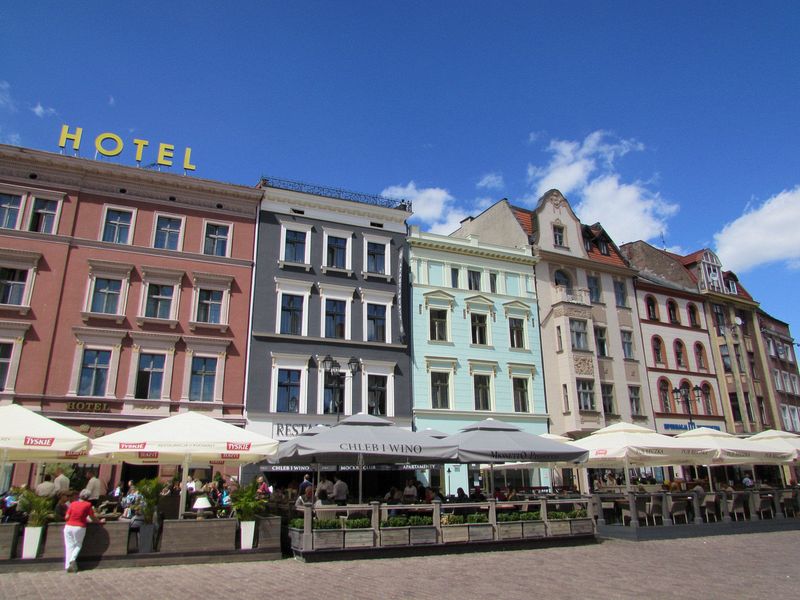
587,243
603,245
297,211
732,286
374,224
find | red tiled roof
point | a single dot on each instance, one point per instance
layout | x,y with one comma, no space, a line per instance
525,219
740,291
690,259
614,257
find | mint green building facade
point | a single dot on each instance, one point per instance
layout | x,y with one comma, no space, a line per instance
475,343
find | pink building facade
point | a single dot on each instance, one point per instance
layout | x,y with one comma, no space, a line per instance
124,293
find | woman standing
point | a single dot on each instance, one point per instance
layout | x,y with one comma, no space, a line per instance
78,514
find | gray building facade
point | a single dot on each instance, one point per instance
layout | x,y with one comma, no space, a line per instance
330,321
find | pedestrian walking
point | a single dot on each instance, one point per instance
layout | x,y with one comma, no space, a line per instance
78,514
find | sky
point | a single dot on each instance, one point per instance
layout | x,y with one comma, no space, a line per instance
676,123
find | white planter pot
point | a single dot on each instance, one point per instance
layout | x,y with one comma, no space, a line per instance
247,530
31,540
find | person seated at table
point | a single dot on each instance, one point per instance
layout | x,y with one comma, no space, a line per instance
263,487
410,492
393,496
461,495
129,501
437,495
477,495
306,498
597,484
499,495
322,499
747,480
699,490
512,494
611,480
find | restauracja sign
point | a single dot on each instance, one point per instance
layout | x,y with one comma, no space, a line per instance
110,144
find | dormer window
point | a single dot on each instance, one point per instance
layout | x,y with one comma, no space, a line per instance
558,235
603,245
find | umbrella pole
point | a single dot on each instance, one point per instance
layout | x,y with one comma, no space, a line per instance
360,475
184,472
627,476
491,479
3,463
710,479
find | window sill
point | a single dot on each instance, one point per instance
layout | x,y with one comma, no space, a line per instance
582,350
482,346
326,269
624,307
639,417
282,264
631,360
520,350
173,323
368,275
589,412
441,343
221,327
20,308
118,319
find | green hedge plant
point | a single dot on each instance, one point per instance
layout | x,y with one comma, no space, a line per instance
359,523
298,523
420,521
477,518
398,521
327,524
507,517
452,519
530,516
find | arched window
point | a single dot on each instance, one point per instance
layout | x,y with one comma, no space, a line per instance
652,308
694,319
562,279
665,395
707,395
686,392
700,357
680,354
672,312
658,350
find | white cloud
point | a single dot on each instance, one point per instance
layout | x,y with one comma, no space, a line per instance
6,101
491,181
766,234
41,112
585,170
534,135
111,101
434,208
12,139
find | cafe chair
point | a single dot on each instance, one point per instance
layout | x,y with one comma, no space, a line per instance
656,509
678,508
710,508
787,502
736,507
764,506
641,511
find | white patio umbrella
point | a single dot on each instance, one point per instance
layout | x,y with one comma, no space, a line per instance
632,445
366,439
182,439
27,436
552,467
778,441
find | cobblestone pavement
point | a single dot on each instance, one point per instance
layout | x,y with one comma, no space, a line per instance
731,567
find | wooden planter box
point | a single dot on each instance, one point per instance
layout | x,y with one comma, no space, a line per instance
422,534
481,532
558,528
110,539
359,538
194,535
455,533
509,530
581,526
268,533
296,538
395,536
328,538
533,529
9,533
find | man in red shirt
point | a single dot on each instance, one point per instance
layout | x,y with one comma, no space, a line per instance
78,514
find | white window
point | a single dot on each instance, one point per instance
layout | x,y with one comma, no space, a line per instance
586,394
627,344
479,327
118,224
293,299
377,320
161,290
18,270
600,341
336,304
150,374
10,210
439,320
634,393
44,214
795,385
12,335
204,370
96,362
336,249
787,419
520,388
288,384
778,379
787,382
620,293
377,256
482,391
577,331
558,235
210,300
474,280
377,379
517,333
107,294
335,389
440,389
217,238
295,243
168,232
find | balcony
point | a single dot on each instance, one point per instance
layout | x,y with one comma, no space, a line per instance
571,296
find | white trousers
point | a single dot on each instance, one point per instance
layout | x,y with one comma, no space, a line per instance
73,540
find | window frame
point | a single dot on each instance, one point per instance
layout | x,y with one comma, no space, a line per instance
131,227
621,287
605,387
12,332
628,347
601,341
204,347
327,292
489,377
595,292
164,277
380,298
292,287
637,398
50,197
378,368
151,343
527,379
96,339
575,336
104,269
651,308
588,388
305,228
211,282
673,312
447,319
181,219
347,236
290,362
228,239
386,242
21,260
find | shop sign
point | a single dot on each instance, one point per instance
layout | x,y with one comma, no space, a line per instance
282,431
95,407
685,426
110,144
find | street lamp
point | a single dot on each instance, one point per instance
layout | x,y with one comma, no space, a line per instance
449,489
682,393
332,367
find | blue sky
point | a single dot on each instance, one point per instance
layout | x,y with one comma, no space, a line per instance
677,119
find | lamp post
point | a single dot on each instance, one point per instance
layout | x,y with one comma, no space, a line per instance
449,489
682,393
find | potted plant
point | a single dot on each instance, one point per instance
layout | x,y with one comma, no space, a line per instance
580,523
39,510
296,532
480,530
247,504
145,511
454,529
558,523
395,531
327,533
421,530
358,533
532,524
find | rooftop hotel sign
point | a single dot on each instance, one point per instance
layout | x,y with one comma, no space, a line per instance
110,144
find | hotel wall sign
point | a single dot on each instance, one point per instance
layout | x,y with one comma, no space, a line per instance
110,144
95,407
